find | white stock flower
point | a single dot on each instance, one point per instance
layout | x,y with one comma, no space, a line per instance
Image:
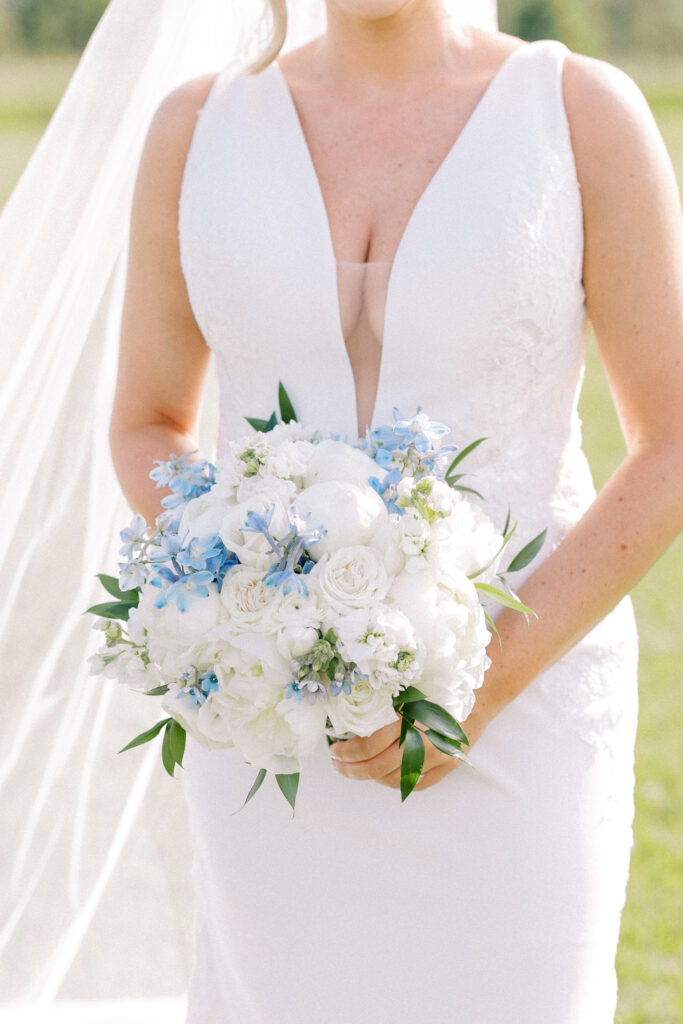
413,532
351,578
289,459
362,711
350,514
383,646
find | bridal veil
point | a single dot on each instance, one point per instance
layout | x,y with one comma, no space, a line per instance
95,853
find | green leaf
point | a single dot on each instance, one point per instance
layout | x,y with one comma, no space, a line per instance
447,745
111,610
435,717
528,553
461,455
412,761
145,737
507,522
408,695
500,597
257,424
111,585
178,738
258,782
158,691
272,422
406,722
289,785
507,533
167,755
286,407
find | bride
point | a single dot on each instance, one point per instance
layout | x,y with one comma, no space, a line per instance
410,210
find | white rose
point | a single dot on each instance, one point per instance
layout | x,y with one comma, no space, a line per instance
252,547
249,604
297,609
362,711
337,461
350,514
351,578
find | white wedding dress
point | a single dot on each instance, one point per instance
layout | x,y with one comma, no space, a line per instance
495,895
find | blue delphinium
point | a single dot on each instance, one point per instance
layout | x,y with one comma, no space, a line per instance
292,561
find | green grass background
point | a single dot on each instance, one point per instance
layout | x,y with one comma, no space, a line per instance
650,962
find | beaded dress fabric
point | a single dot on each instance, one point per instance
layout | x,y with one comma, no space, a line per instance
496,894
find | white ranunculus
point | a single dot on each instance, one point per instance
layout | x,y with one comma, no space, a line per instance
252,547
295,608
350,514
338,461
351,578
293,640
363,711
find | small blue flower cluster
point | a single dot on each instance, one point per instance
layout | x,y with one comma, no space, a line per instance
198,687
292,562
408,448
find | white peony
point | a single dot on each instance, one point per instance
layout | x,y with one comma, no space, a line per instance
202,517
176,638
336,461
362,711
466,540
351,578
350,514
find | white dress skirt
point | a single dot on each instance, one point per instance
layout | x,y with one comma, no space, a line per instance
494,896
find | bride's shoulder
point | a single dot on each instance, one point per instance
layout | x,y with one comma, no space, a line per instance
174,120
613,131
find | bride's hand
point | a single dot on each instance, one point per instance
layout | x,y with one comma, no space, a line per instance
378,756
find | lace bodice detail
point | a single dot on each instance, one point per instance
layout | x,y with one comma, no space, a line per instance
480,319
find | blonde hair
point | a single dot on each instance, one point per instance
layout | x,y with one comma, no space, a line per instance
278,31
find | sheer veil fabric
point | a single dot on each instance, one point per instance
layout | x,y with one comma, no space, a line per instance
96,919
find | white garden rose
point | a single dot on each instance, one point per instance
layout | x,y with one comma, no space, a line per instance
362,711
351,578
298,609
252,548
336,461
350,514
247,602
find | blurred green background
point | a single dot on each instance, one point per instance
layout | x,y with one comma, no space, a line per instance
39,45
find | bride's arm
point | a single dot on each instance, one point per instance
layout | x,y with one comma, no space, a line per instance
633,278
163,356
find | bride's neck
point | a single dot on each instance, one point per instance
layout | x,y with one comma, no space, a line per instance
415,42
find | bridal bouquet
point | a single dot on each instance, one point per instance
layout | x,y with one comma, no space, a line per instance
306,587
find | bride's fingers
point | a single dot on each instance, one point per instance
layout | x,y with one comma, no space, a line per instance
363,748
436,766
373,768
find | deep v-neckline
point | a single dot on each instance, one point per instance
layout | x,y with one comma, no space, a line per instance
331,261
